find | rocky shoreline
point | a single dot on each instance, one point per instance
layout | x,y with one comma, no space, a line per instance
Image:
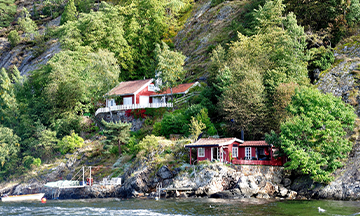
213,180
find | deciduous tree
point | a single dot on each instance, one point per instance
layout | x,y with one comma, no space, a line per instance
314,138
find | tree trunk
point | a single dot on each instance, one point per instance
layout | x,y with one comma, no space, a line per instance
119,146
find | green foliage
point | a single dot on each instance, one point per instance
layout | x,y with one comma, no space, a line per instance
7,12
196,127
315,137
70,143
322,58
26,24
179,122
117,133
37,162
253,67
9,145
14,38
27,161
169,67
148,144
69,13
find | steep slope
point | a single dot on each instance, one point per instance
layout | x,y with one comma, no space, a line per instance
207,27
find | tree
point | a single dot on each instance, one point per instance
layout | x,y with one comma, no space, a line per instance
9,112
314,138
27,25
14,38
169,67
196,127
9,145
117,133
7,12
254,66
69,13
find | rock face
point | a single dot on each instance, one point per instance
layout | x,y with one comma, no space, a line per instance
27,59
341,80
204,29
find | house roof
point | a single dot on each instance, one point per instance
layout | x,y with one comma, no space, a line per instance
180,89
207,142
129,87
255,143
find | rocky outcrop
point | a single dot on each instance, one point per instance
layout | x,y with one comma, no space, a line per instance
27,58
346,185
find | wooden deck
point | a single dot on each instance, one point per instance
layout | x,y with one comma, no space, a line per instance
132,106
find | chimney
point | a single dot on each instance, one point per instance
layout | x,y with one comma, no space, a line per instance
242,135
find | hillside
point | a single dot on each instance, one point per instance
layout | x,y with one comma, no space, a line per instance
259,63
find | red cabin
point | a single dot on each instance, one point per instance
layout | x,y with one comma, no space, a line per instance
236,151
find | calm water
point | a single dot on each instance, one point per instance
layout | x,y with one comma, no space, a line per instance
180,207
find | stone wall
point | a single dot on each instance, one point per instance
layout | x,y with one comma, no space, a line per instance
120,116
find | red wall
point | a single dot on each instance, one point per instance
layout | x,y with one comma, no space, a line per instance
207,154
144,92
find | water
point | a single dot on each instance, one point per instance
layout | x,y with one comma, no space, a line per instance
163,207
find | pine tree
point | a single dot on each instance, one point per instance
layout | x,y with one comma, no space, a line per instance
117,133
69,12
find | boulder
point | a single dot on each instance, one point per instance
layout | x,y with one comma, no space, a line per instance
164,173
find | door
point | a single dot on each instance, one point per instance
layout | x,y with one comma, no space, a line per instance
247,153
127,100
144,100
214,154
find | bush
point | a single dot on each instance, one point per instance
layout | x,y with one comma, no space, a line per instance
27,161
37,162
14,38
69,143
148,144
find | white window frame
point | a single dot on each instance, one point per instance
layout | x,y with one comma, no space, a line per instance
127,99
201,152
112,102
248,153
235,152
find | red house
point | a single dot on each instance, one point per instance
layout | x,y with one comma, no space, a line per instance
236,151
139,94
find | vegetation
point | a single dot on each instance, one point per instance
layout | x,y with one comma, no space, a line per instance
169,67
314,137
250,85
7,12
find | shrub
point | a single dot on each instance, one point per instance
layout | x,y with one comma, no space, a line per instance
37,162
69,143
148,144
14,38
27,161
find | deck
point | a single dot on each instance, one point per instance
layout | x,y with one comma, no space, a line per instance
131,107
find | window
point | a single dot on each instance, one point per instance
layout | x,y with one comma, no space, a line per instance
151,87
234,152
112,102
201,152
127,100
248,153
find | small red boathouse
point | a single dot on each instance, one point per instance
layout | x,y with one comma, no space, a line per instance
236,151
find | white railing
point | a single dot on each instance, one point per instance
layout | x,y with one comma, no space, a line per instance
132,106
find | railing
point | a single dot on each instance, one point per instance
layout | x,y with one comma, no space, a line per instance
259,162
132,106
185,98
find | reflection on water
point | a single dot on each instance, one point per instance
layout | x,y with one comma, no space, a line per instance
204,206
